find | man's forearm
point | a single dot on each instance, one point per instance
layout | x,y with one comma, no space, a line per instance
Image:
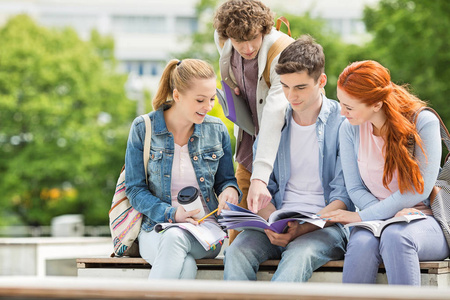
335,205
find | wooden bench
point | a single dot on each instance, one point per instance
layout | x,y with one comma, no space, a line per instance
433,273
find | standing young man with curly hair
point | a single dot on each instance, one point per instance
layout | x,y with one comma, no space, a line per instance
244,34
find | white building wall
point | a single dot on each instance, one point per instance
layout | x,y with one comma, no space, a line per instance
148,32
145,32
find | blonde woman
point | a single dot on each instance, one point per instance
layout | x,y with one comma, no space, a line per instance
188,148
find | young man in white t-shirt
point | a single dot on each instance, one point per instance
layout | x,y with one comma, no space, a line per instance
307,175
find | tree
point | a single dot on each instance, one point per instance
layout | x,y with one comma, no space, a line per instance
64,120
411,38
337,53
202,47
202,42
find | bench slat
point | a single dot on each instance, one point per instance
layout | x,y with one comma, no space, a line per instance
431,267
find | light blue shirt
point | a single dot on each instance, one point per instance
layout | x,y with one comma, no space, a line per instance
371,208
330,170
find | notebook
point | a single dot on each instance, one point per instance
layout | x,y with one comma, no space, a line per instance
209,234
235,108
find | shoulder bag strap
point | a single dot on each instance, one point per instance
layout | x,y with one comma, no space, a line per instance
445,136
147,142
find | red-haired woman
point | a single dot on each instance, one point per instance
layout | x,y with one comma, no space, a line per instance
383,180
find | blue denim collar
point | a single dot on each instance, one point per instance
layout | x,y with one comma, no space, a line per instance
159,124
325,111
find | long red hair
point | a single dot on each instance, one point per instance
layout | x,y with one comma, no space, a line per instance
370,82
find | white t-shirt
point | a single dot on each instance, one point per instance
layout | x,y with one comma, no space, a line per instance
183,175
304,188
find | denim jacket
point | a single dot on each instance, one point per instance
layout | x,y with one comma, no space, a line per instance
327,130
210,152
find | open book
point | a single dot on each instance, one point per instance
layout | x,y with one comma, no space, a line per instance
377,226
209,234
239,218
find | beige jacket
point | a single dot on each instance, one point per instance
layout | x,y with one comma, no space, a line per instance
271,104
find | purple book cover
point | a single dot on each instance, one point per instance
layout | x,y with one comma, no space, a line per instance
278,226
236,108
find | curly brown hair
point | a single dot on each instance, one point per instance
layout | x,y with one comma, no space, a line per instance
243,20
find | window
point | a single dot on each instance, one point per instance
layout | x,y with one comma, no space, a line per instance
142,68
186,25
81,23
139,24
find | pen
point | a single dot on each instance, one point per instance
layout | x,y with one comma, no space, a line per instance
202,219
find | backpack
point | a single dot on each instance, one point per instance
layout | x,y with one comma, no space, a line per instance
124,221
279,45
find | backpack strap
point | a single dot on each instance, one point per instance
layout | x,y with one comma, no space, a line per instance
147,142
286,22
221,42
280,44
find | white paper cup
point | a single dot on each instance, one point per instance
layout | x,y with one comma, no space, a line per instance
189,198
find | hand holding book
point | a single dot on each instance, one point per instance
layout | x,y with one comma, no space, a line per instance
378,226
292,231
237,217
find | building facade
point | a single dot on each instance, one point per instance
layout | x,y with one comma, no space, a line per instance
147,33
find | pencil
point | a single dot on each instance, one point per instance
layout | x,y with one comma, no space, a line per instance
202,219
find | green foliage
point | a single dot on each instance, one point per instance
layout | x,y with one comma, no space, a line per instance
64,116
202,42
202,47
411,38
64,120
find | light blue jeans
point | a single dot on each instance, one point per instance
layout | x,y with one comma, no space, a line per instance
400,247
299,258
172,254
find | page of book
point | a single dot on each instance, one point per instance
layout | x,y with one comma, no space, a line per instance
208,234
378,226
284,214
239,218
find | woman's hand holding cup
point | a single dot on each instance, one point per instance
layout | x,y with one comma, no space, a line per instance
182,216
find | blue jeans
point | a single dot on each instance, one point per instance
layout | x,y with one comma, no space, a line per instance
400,247
172,254
299,258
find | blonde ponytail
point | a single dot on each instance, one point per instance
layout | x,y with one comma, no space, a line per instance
178,74
165,88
